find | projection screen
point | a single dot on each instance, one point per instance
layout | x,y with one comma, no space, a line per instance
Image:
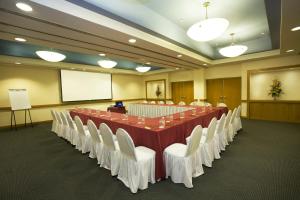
82,86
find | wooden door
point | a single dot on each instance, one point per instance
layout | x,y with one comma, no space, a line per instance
226,90
232,92
183,91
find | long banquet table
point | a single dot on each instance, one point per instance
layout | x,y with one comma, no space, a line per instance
150,134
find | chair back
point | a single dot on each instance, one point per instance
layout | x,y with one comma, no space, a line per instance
181,103
221,105
79,125
58,117
107,136
170,102
194,103
126,144
233,116
152,102
63,118
53,115
93,131
211,129
145,101
161,102
194,142
70,121
220,126
238,112
227,120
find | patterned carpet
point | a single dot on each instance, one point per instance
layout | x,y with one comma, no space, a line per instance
263,162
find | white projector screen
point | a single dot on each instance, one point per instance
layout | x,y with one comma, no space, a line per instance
82,86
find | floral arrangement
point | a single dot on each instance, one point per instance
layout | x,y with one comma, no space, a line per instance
275,90
158,92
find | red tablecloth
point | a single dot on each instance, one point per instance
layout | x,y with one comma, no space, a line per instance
149,134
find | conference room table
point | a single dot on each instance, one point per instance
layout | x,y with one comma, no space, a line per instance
149,133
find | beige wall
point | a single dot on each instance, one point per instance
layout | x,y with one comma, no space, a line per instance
44,88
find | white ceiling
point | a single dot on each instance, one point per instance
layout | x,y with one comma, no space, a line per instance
172,18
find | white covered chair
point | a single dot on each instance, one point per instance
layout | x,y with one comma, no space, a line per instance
181,103
169,102
145,101
84,137
73,130
183,162
137,164
54,122
220,135
194,103
231,126
226,127
59,124
208,146
110,150
152,102
96,142
207,104
221,105
237,120
161,102
65,130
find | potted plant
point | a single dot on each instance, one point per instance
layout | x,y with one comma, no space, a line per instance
275,90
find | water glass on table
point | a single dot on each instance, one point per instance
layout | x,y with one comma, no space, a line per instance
162,122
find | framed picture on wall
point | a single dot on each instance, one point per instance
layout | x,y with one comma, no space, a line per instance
156,89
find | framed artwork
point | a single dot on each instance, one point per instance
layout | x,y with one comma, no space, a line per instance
156,89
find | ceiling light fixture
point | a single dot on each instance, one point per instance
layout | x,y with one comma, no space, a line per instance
297,28
142,69
101,54
132,40
177,68
179,56
148,63
290,50
233,50
50,56
20,39
208,29
205,64
23,6
108,64
18,63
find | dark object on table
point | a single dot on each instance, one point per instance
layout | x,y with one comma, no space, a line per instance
119,104
120,109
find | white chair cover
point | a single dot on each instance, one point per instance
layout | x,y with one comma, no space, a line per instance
207,104
220,136
208,147
59,124
194,103
183,162
161,102
237,120
221,105
181,103
54,122
226,127
84,142
110,150
231,127
169,102
137,165
96,142
65,127
145,101
152,102
73,130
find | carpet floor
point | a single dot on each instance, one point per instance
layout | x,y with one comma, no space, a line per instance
263,162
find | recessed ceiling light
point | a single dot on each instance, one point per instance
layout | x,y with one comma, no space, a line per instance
297,28
101,54
72,68
23,6
205,64
262,33
177,68
132,40
148,63
179,56
290,50
18,63
20,39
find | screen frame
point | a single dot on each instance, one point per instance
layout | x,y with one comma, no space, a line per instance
88,100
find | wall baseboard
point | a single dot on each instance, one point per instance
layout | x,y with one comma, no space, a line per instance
28,124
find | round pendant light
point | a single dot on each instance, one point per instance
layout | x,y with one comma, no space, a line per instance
208,29
142,69
233,50
50,56
108,64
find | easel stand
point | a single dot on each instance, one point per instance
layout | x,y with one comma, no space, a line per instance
13,118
